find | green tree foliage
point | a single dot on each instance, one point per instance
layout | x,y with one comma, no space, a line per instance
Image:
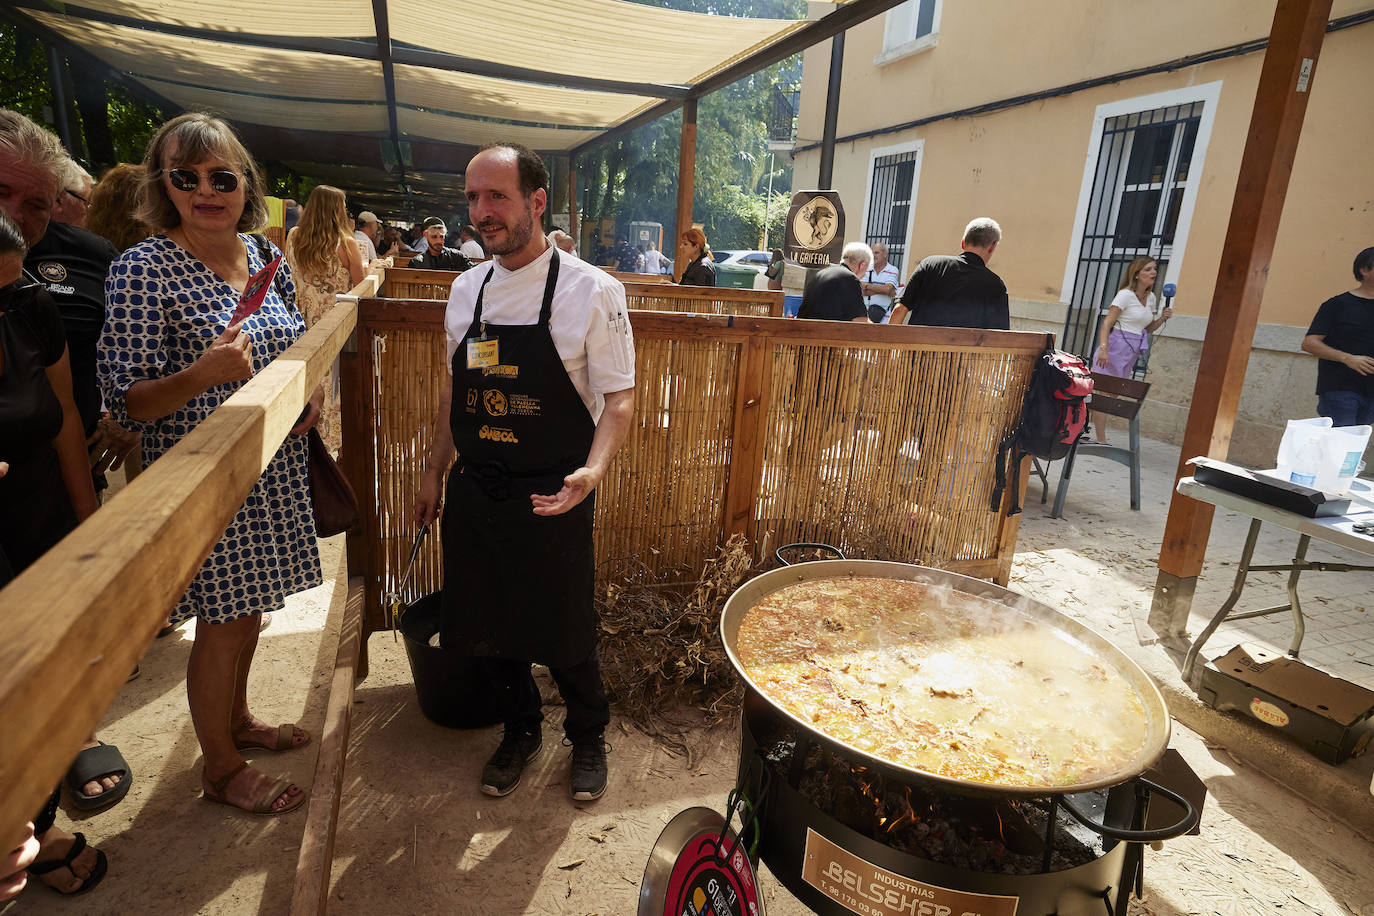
634,178
27,90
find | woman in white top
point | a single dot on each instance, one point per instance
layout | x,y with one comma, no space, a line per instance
1129,318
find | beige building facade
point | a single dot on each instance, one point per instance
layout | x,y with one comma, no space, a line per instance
1095,132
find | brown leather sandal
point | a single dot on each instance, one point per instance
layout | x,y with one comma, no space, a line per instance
263,805
285,733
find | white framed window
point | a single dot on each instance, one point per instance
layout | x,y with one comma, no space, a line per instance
894,174
1140,186
911,27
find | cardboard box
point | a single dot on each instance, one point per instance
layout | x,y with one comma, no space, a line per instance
1332,718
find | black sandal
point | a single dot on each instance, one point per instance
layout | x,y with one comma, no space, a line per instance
91,764
38,869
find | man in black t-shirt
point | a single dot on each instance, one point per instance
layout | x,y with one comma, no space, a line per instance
438,256
1342,339
71,263
834,293
959,292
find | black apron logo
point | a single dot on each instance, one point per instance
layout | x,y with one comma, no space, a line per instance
502,371
472,400
497,434
52,271
494,401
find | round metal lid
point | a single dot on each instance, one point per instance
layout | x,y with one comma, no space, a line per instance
685,874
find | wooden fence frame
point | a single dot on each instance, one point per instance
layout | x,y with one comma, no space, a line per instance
640,293
88,610
756,336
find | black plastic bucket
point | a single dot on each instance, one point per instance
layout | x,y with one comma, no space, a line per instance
454,688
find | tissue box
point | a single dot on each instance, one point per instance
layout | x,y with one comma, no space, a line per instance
1281,494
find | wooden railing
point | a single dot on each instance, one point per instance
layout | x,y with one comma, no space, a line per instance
881,440
82,616
641,292
628,278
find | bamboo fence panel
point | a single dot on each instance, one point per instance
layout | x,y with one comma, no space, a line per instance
628,278
886,453
414,283
705,300
659,509
407,377
641,292
881,441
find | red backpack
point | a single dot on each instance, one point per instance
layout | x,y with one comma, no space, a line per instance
1052,419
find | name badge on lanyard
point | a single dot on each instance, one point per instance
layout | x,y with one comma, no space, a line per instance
483,353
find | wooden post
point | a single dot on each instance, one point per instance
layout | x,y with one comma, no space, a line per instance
310,894
572,200
1295,40
686,179
752,389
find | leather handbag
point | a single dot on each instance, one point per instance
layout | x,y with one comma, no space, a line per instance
331,495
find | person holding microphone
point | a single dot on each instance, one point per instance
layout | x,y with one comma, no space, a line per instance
1129,318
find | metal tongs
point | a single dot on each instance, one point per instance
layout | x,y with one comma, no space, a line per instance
394,603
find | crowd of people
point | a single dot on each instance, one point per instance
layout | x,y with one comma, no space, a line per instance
118,337
115,345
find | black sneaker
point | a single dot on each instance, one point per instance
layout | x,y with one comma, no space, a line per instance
502,773
588,769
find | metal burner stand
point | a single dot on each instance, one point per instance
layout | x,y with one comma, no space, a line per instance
835,870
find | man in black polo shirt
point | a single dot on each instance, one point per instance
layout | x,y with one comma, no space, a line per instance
834,293
72,263
1342,339
438,256
959,292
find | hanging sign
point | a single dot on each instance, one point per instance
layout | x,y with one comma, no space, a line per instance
815,229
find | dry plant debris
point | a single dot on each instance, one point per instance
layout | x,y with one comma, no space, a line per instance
661,651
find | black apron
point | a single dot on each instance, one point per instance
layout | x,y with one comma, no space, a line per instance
516,584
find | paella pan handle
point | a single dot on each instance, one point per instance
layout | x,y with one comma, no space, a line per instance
806,545
1189,821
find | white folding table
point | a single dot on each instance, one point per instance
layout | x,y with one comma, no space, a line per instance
1338,530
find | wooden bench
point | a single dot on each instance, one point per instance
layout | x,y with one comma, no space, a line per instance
1118,397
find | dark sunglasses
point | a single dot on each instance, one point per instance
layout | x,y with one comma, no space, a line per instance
223,181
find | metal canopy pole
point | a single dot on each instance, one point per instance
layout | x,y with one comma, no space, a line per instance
828,26
59,99
572,199
362,50
832,113
382,26
686,179
1295,40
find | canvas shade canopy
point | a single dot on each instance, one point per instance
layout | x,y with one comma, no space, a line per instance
408,89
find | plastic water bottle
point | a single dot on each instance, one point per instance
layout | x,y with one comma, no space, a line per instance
1307,462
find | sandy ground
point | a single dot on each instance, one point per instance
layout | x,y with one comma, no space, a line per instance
416,835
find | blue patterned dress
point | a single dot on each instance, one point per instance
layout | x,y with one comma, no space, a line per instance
163,309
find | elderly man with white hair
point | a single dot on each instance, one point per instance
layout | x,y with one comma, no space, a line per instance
835,293
562,241
74,200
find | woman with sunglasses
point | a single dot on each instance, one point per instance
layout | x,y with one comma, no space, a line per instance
169,357
325,261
